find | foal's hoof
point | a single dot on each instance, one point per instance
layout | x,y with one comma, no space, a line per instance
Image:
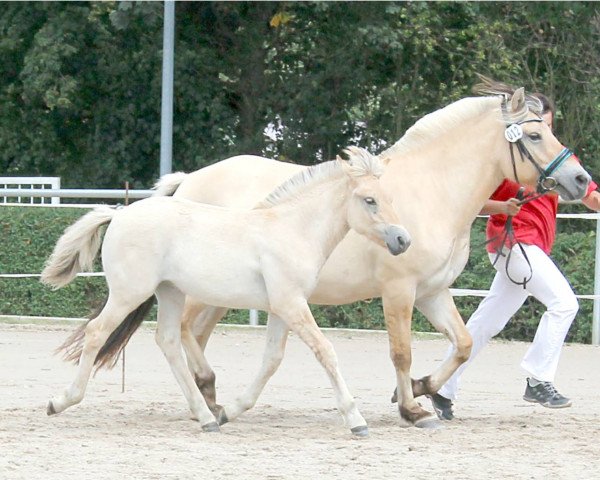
211,427
50,409
222,417
360,431
432,423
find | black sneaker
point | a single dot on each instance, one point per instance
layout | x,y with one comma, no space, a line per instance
546,395
442,406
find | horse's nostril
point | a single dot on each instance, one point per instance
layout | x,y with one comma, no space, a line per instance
403,242
581,179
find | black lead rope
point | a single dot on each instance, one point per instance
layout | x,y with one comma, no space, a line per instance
508,236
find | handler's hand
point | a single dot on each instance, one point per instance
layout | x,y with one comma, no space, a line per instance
512,206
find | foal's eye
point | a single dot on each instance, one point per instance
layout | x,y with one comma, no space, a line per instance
535,136
370,201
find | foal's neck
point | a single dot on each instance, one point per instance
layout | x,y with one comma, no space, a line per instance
319,216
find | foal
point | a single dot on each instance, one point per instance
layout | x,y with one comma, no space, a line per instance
267,258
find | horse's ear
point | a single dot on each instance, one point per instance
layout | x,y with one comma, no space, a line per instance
517,102
345,164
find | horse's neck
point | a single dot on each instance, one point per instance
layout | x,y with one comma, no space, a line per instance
319,216
458,173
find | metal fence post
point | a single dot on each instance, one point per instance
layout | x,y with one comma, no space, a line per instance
166,125
596,311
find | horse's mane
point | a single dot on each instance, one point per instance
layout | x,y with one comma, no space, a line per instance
362,163
428,128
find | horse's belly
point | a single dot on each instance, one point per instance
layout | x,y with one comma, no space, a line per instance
234,289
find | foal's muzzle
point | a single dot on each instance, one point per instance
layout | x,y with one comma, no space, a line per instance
397,239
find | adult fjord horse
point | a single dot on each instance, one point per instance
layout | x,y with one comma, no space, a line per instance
439,173
266,258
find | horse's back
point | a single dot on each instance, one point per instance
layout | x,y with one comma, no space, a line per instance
192,245
238,182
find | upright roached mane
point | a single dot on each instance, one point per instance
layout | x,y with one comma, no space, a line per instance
425,130
362,164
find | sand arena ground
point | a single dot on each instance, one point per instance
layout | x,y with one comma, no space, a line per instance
295,431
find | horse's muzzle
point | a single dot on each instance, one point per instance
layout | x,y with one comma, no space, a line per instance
397,239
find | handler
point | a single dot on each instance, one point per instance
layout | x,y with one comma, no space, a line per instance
534,226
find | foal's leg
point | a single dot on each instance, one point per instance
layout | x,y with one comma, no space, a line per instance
197,324
96,333
397,309
441,311
168,337
277,335
300,320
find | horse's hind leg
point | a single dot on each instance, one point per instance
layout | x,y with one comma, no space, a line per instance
277,334
441,311
96,333
168,337
302,323
197,324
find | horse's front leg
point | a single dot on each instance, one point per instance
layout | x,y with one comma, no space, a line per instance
397,309
299,319
441,311
277,335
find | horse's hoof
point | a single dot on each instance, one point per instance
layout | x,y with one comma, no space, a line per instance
222,417
211,427
50,409
360,431
432,423
394,398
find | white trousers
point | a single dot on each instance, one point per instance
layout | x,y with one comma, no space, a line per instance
549,286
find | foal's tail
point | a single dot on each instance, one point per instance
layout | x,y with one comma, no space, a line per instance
76,250
168,184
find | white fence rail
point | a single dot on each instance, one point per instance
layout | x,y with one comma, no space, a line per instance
56,193
18,186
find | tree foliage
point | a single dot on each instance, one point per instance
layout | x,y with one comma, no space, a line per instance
80,86
80,82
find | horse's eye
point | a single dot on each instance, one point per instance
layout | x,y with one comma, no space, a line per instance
535,136
370,201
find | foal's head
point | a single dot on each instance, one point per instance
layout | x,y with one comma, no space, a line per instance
370,210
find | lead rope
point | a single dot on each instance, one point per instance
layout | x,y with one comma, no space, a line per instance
509,235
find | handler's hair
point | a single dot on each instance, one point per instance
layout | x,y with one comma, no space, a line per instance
547,104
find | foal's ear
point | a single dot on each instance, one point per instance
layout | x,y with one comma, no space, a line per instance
347,167
517,102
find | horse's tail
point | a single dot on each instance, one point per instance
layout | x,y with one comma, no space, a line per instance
168,184
108,355
77,248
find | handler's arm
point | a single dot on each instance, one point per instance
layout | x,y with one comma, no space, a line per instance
592,200
508,207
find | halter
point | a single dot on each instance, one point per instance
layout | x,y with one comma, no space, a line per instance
514,134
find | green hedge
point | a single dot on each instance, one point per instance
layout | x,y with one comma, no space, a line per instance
29,234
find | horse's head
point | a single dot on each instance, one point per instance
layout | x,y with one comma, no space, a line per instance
537,158
370,210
